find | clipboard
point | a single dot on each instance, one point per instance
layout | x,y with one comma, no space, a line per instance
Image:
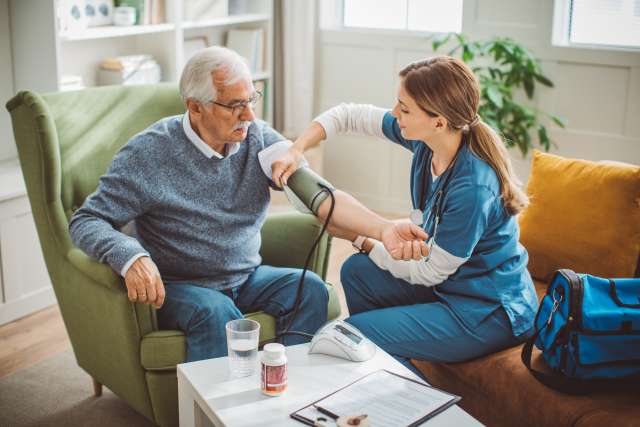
391,398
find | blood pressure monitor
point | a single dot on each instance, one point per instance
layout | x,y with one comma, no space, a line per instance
341,339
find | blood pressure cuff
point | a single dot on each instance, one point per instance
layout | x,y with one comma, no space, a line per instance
304,190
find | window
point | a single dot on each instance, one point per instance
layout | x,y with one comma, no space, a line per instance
614,23
414,15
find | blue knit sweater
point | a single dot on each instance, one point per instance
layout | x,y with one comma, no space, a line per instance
198,218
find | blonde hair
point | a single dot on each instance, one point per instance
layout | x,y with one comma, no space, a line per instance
446,86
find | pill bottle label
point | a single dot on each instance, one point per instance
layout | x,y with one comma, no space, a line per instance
274,379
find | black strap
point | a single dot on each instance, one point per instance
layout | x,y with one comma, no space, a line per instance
556,382
614,296
561,383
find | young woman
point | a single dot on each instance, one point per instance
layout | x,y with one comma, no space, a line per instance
472,294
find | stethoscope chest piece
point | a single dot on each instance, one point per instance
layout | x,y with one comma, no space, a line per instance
416,216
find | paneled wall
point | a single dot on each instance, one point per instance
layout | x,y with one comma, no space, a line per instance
7,146
597,91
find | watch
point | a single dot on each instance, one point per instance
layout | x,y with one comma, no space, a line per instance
358,242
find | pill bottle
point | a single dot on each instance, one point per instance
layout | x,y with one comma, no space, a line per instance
273,370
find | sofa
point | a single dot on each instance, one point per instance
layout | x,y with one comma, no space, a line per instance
66,141
584,216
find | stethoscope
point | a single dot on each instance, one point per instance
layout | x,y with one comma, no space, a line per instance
416,215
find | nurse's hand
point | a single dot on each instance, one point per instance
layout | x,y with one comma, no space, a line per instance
405,241
282,168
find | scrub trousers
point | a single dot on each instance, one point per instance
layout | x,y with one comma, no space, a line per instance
411,322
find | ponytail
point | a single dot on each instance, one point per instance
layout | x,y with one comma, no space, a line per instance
485,143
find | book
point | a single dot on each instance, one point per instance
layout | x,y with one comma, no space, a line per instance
250,45
386,398
204,10
258,110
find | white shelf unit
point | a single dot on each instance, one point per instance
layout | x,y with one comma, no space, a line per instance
42,57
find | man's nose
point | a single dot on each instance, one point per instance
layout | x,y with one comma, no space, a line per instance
247,114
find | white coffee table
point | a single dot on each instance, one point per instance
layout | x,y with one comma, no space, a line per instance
208,397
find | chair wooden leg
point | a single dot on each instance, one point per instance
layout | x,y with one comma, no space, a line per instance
97,388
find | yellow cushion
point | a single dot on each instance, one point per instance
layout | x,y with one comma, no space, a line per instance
582,215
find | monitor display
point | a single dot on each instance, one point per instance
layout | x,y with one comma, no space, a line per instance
346,332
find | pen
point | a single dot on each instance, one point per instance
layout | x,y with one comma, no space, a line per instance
326,412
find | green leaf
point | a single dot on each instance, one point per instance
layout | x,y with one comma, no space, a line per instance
560,121
495,96
543,137
542,79
528,85
466,54
440,40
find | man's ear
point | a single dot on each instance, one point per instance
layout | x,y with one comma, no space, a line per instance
194,107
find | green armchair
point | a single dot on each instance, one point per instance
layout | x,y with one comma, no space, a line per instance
65,142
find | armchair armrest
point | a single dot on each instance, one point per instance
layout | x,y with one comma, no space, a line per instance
287,239
104,275
96,271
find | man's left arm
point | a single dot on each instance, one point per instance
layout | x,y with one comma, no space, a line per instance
275,147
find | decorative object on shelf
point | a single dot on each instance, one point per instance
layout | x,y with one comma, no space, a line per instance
250,45
138,5
124,16
157,12
201,10
504,67
98,12
72,16
129,70
193,45
70,82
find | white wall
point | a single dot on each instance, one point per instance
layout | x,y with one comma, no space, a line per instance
598,91
7,146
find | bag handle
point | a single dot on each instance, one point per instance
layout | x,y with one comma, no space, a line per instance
555,382
614,296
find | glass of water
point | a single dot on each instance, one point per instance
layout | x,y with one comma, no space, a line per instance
242,344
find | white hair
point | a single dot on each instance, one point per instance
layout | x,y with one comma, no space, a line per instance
196,81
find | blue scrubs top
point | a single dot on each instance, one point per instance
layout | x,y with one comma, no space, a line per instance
474,225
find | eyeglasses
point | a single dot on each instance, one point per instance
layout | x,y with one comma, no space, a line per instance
238,107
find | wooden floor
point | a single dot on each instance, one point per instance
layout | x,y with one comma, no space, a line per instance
38,336
31,339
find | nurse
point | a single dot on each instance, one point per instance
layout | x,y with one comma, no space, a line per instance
471,294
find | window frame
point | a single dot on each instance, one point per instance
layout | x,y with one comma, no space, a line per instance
561,31
333,20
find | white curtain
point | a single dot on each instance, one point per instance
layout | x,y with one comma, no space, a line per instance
297,60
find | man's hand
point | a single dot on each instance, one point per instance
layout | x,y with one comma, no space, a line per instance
144,283
284,167
405,241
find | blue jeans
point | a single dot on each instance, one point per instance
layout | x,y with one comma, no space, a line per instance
409,322
202,313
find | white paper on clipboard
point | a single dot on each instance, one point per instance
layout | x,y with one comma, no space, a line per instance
388,399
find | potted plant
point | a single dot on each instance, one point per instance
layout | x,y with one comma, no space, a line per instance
504,68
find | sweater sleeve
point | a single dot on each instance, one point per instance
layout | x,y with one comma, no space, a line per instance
123,193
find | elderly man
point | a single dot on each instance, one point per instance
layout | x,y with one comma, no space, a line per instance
197,195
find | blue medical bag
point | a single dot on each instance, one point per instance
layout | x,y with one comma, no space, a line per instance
588,330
